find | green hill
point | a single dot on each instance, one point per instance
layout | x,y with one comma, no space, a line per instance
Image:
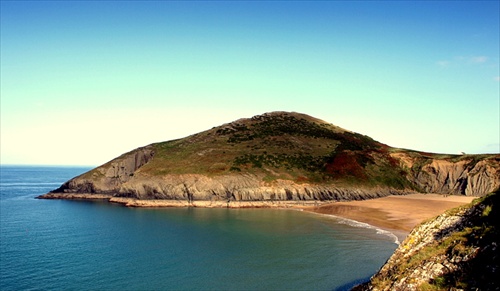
283,156
280,146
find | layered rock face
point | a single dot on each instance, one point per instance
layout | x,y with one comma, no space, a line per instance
457,250
121,178
282,156
109,177
466,175
230,188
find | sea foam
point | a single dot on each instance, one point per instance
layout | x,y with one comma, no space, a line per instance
355,223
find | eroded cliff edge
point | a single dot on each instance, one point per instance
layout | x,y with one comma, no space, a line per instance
457,250
472,175
281,156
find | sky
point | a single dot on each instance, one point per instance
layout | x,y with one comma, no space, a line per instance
84,81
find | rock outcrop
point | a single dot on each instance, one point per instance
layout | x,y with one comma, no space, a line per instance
472,175
108,178
282,156
457,250
195,187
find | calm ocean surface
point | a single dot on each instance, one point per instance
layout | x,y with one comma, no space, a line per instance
82,245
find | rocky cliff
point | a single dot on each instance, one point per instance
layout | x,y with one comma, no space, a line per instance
457,250
472,175
282,156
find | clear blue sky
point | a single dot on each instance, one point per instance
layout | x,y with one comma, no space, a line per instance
84,81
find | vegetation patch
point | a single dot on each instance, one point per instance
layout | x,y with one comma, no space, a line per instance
263,126
346,164
477,243
299,161
467,251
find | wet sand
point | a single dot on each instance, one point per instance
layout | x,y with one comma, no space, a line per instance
398,214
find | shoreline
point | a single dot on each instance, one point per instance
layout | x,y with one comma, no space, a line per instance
160,203
397,235
396,214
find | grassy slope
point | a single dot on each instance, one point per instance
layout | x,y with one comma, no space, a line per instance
281,146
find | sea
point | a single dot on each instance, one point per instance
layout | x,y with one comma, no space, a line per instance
95,245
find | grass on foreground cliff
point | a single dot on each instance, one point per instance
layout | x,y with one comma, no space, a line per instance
474,242
479,242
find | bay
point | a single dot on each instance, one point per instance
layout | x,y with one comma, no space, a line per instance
60,244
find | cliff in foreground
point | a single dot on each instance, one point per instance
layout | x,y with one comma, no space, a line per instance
457,250
281,156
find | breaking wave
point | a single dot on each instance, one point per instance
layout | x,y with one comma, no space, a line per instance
355,223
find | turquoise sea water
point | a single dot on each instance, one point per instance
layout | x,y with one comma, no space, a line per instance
83,245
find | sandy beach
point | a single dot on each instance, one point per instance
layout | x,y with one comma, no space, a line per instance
398,214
